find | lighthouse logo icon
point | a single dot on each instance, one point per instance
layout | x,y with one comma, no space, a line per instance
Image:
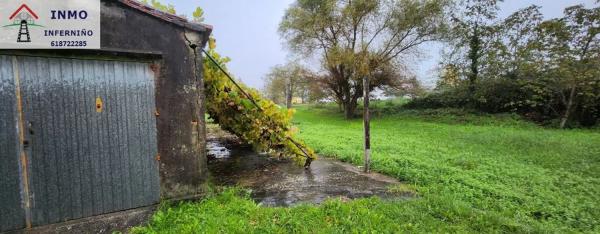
23,18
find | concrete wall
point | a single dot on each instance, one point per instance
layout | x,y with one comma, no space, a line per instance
179,91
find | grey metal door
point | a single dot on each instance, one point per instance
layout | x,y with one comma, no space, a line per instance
89,136
12,214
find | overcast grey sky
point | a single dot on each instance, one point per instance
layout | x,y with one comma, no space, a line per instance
246,31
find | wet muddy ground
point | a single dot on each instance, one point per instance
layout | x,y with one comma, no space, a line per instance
281,182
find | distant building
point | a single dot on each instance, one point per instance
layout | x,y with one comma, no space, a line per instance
297,100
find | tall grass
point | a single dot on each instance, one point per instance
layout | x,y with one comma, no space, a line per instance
486,172
472,173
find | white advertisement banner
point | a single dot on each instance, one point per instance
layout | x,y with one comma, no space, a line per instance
50,24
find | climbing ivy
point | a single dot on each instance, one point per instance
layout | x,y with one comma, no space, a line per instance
267,128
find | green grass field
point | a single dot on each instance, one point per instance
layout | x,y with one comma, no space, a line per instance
472,173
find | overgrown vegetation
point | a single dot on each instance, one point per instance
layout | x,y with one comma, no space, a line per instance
546,70
248,115
242,110
486,173
476,173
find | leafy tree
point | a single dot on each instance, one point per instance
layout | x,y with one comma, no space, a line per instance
543,69
449,77
408,86
286,81
571,46
275,86
358,38
471,35
513,53
315,92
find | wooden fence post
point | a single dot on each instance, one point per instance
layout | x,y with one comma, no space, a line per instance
366,123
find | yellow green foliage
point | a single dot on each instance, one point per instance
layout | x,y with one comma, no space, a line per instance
163,7
268,130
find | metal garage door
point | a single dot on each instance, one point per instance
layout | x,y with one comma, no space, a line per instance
89,135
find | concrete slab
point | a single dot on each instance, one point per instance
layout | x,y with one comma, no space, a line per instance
281,182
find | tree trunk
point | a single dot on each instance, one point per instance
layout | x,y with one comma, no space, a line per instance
288,95
474,52
350,107
349,111
351,102
568,109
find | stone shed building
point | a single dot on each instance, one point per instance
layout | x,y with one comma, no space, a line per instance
91,132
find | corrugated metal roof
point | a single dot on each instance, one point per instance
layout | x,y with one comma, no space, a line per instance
175,19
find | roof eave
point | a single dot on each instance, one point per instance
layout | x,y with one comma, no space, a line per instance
168,17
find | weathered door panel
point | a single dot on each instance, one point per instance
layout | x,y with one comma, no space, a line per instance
92,134
12,215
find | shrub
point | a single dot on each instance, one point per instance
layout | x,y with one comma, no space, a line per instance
447,98
533,99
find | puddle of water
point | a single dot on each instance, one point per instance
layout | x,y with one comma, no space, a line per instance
216,150
276,182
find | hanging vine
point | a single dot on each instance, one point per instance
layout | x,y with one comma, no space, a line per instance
245,113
